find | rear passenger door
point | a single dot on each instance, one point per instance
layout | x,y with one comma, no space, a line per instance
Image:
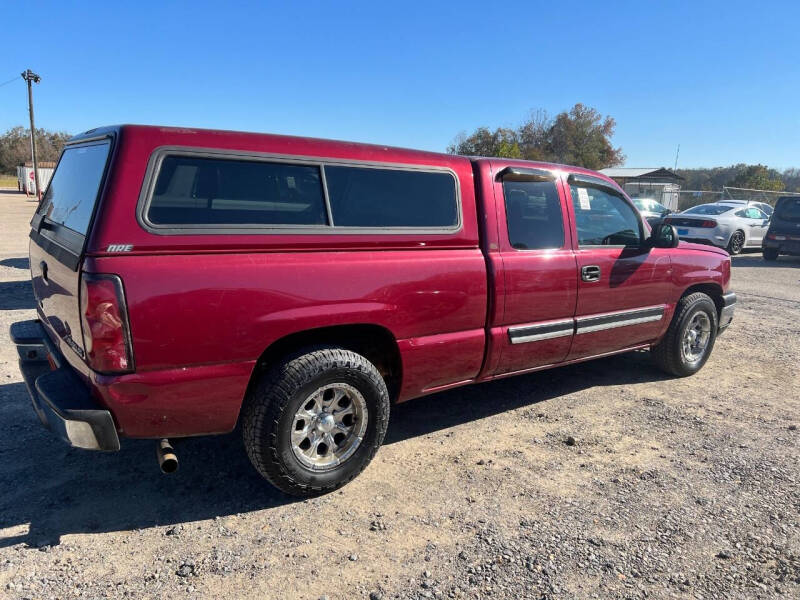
538,269
623,286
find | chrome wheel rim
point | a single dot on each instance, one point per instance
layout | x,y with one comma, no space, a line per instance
696,337
329,426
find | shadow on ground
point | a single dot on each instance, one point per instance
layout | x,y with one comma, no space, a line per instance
756,260
57,490
16,263
16,295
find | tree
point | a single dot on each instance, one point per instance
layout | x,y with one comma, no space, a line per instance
758,177
15,147
581,136
741,175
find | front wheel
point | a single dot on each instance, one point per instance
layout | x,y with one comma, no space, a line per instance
690,337
770,254
736,243
314,421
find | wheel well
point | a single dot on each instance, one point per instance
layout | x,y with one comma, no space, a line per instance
373,342
710,289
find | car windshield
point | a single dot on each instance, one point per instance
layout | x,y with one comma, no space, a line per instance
788,210
709,209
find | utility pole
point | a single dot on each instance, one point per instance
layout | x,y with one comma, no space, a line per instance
677,152
31,77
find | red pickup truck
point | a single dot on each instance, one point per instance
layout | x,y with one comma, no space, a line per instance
187,280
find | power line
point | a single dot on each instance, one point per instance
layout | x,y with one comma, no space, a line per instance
12,80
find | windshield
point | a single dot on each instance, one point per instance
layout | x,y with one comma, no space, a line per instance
708,209
788,209
72,192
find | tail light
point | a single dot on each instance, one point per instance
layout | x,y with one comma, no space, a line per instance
708,224
104,318
774,236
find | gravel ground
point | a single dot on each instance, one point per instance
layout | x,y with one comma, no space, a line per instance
601,480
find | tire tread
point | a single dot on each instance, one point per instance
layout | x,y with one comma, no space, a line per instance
268,399
667,353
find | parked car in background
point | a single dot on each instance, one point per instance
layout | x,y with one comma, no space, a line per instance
783,235
186,280
650,209
730,226
763,206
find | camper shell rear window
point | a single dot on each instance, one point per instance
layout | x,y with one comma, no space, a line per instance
231,193
72,193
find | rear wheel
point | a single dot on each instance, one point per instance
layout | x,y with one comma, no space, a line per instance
314,421
770,254
690,337
736,243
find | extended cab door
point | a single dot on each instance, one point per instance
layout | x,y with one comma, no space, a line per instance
536,267
623,287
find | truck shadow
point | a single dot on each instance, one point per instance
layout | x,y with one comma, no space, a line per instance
16,295
756,260
55,490
21,262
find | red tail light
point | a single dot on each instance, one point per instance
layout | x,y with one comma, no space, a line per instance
104,317
708,224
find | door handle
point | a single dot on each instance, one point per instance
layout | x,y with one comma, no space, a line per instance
590,273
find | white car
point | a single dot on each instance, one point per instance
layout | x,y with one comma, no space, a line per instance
767,209
729,226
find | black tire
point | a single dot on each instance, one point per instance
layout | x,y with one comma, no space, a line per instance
736,243
269,411
770,254
668,354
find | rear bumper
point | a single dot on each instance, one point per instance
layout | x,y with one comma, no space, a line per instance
60,398
726,312
708,241
791,247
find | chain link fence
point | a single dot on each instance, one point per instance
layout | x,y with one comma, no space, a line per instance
690,198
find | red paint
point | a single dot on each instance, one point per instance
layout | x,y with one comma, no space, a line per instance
204,308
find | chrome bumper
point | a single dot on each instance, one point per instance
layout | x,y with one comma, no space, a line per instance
60,399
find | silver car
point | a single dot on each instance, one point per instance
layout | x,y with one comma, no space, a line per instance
763,206
730,226
650,209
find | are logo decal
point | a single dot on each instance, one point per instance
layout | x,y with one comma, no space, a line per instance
119,248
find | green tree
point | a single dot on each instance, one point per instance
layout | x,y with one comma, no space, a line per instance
580,136
15,147
758,177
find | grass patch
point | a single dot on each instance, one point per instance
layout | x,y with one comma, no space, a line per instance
8,181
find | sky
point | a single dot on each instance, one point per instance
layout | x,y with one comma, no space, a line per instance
722,79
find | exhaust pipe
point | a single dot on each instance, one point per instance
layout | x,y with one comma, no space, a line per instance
167,459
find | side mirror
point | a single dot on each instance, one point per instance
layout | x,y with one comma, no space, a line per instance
663,236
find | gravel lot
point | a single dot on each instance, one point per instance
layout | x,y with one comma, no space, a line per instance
668,488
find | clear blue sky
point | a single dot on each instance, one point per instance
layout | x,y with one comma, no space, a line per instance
722,79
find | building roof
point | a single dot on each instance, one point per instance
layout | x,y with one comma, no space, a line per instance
634,173
43,164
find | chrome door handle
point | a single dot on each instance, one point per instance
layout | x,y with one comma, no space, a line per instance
590,273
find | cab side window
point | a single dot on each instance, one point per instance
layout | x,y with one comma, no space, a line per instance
533,215
603,218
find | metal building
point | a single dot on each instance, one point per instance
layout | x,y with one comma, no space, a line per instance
660,184
25,177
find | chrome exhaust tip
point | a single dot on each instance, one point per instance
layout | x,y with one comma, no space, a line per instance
167,459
